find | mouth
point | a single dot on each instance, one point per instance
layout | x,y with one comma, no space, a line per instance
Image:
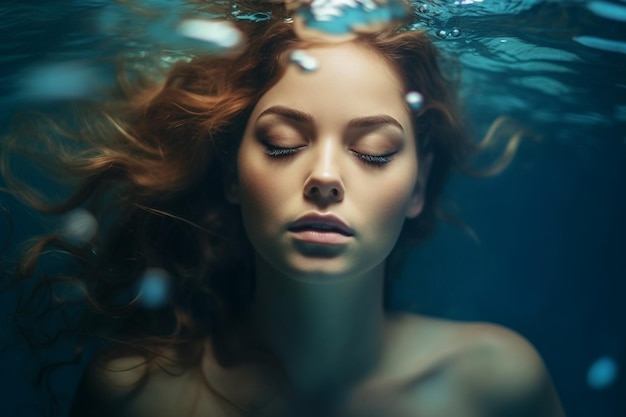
321,224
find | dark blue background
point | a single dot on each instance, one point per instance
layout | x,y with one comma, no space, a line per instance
551,258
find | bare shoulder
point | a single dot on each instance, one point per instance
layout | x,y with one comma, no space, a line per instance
505,374
121,385
503,358
131,385
496,367
117,375
108,382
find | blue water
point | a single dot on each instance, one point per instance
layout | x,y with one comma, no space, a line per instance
551,257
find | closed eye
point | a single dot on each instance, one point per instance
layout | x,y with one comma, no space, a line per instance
374,160
284,152
279,151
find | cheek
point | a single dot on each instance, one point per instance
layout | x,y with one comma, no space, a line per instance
391,197
387,212
393,205
260,190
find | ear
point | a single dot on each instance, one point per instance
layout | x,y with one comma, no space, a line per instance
416,204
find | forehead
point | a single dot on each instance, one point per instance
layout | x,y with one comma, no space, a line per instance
349,76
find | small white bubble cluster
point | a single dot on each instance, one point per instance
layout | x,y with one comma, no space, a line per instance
218,32
444,34
414,100
154,288
305,61
79,226
326,10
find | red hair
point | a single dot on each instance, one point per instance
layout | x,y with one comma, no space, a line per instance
150,165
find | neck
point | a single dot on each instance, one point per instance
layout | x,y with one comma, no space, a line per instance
327,332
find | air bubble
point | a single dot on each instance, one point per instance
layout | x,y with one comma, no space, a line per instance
305,61
220,33
423,8
602,373
340,17
79,227
443,34
455,32
154,288
414,100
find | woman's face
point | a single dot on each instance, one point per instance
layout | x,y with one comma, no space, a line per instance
327,167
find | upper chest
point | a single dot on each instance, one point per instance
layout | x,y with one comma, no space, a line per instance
440,391
427,372
421,375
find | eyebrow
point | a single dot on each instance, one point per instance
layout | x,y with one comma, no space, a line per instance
288,113
361,122
373,121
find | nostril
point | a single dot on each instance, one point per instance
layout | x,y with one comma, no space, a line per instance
324,192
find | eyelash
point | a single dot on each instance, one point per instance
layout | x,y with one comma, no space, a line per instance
280,152
374,160
371,160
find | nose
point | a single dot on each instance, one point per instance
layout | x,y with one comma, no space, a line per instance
324,185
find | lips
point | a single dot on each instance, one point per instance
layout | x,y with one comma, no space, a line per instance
321,223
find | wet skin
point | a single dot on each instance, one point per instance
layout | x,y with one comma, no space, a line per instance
338,141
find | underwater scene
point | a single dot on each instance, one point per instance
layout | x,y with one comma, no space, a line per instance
538,247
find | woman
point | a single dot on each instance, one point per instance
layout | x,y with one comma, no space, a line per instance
276,199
